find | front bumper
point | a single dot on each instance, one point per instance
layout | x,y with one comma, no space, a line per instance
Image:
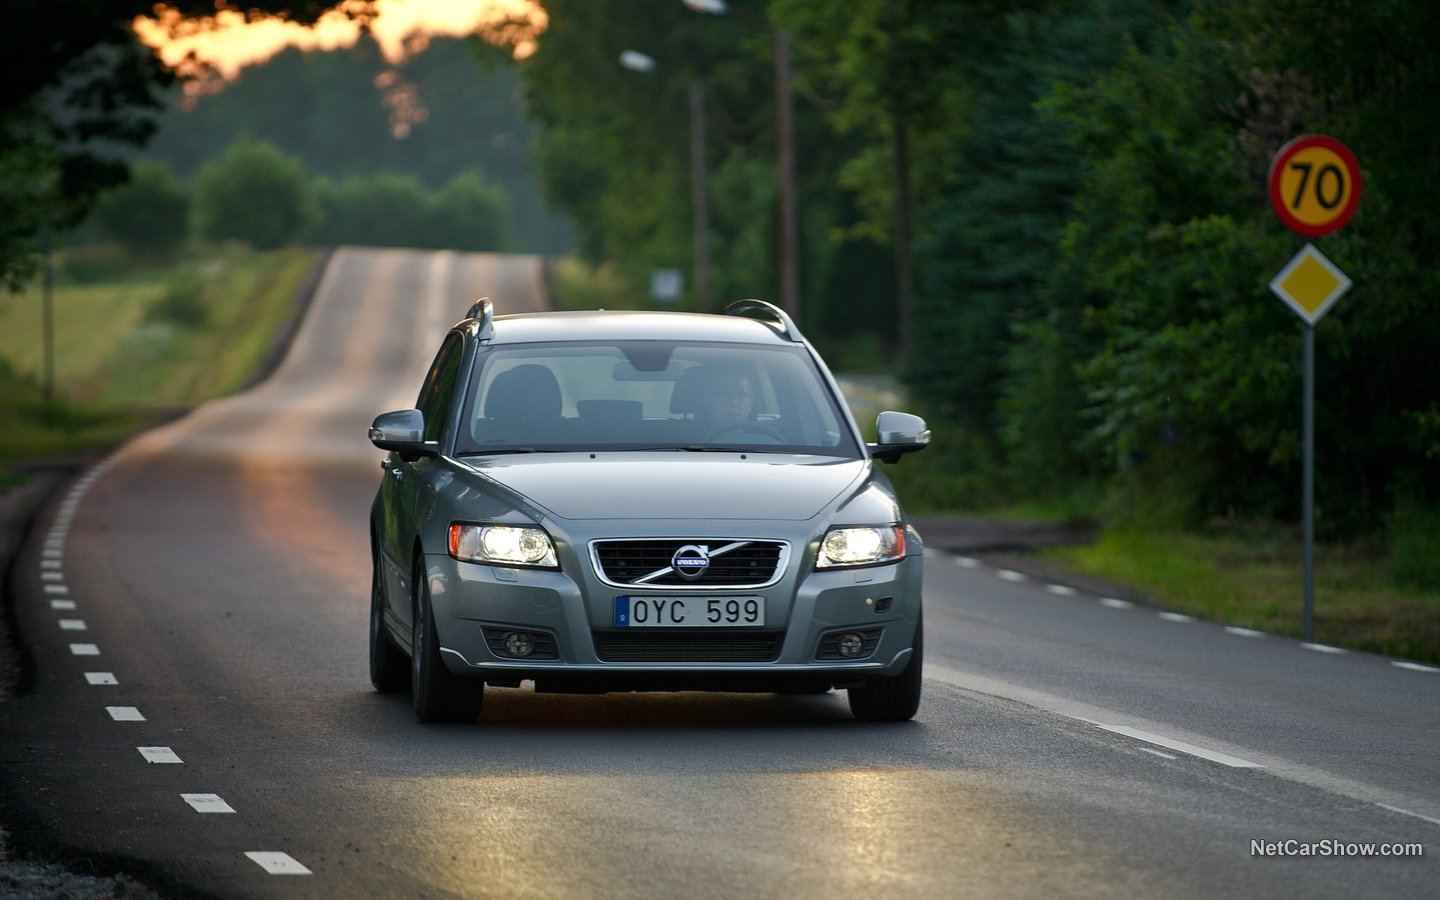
476,606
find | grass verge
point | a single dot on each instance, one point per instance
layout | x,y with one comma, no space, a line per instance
137,347
1252,577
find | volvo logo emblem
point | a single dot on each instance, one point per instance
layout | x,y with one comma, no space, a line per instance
691,561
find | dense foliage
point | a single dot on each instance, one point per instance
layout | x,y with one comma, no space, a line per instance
1092,235
77,88
454,106
1049,215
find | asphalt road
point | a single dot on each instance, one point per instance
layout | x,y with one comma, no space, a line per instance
200,600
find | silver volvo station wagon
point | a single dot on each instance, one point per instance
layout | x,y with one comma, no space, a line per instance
639,501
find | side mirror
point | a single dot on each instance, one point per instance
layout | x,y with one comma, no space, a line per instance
898,433
403,431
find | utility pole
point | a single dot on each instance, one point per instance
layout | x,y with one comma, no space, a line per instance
699,196
785,162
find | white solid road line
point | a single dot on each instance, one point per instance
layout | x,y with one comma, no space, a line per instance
1215,756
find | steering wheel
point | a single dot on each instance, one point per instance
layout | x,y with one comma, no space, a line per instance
740,428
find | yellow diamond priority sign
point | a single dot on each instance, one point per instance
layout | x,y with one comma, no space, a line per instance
1310,284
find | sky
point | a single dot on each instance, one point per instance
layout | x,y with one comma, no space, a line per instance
213,50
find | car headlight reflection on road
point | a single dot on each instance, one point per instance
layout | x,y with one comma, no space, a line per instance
861,546
505,545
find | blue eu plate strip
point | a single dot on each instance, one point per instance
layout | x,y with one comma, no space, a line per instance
622,612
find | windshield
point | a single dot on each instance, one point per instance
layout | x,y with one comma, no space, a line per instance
651,395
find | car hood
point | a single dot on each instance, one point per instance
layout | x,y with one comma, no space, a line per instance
676,485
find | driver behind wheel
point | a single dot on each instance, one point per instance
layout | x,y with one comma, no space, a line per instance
728,401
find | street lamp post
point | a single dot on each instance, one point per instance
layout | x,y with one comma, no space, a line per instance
788,261
636,61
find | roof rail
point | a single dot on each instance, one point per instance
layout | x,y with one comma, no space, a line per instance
483,310
770,311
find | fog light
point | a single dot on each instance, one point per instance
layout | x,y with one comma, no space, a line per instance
851,644
518,643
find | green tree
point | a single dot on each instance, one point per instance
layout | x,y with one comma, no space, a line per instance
77,85
470,213
254,193
149,214
387,209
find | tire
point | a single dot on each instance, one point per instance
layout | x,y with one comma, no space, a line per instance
437,694
893,699
389,669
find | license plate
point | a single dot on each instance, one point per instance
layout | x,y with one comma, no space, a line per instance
688,612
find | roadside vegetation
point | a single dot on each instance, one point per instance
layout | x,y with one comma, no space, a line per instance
1078,305
136,343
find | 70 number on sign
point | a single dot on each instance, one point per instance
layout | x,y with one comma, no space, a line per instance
1314,184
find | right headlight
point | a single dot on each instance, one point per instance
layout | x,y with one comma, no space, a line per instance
504,545
864,545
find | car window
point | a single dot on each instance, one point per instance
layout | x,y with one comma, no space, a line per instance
652,394
438,391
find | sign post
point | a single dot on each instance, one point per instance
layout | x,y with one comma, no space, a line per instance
1314,187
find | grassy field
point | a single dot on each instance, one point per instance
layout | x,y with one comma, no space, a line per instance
136,346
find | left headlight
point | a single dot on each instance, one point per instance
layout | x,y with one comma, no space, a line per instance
861,546
505,545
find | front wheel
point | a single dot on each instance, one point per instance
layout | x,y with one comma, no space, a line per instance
893,699
437,694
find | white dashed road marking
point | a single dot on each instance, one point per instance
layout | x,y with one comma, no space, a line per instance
967,562
207,803
72,625
100,678
159,755
62,605
1323,648
1176,617
1243,632
1009,575
84,649
1060,590
1414,667
124,713
56,589
277,863
1112,603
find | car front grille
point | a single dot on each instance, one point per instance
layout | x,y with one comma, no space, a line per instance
613,646
733,563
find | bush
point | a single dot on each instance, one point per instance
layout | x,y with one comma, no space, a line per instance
182,304
149,214
93,264
1414,539
470,213
255,194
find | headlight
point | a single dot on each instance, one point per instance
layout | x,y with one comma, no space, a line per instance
861,546
504,545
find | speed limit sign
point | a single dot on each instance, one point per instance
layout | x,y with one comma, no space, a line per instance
1314,184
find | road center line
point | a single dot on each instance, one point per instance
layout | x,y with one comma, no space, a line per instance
277,863
100,678
159,755
85,649
125,713
207,803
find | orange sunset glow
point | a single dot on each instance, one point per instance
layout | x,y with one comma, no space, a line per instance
219,46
